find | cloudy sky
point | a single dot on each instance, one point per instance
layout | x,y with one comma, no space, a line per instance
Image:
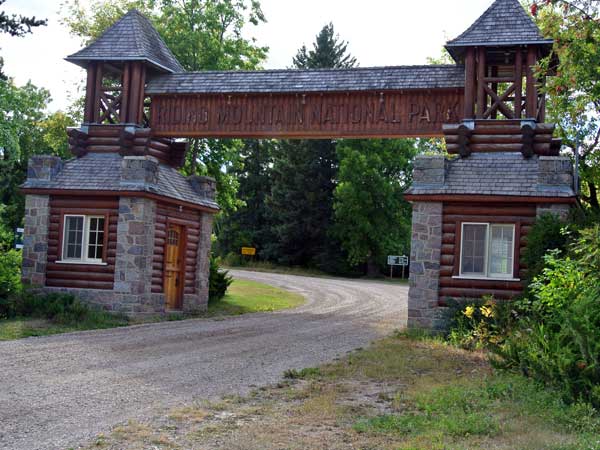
379,32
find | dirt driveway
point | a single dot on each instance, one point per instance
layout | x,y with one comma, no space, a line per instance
56,392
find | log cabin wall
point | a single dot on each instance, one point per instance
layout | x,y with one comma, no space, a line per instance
127,141
190,219
86,276
500,136
454,214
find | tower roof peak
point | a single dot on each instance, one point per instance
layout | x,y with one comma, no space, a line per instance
504,23
131,38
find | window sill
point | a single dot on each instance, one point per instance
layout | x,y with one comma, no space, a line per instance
83,263
473,277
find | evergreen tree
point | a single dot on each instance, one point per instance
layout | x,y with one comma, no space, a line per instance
248,226
304,179
16,26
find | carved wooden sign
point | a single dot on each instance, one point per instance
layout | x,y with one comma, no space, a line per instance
311,115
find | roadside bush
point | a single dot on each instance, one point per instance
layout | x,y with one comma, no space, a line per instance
219,281
10,275
556,341
59,308
547,233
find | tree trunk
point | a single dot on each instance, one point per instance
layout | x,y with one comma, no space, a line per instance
194,159
593,196
372,268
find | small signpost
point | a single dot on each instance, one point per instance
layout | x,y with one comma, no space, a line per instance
19,238
248,251
397,261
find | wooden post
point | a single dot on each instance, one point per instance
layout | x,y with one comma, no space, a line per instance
481,96
518,83
134,92
125,81
140,105
495,89
97,93
531,95
542,105
90,94
470,84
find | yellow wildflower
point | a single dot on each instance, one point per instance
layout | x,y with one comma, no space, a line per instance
469,311
487,311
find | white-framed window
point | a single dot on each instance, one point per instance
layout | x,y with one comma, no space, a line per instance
83,238
487,250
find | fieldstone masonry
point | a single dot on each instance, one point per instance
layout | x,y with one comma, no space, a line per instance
425,265
35,239
135,247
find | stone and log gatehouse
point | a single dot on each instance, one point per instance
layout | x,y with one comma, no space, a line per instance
120,227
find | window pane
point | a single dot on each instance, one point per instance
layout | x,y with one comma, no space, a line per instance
473,248
501,249
96,238
73,234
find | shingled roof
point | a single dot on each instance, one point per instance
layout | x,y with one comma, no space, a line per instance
318,80
131,38
493,174
102,172
505,23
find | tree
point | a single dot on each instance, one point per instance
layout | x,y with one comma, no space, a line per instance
248,226
372,219
16,25
203,35
574,92
304,178
21,136
328,52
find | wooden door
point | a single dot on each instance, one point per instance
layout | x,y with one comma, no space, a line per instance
174,266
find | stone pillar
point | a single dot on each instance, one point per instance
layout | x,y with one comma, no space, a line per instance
561,210
43,167
37,214
35,239
425,254
199,301
135,248
139,170
555,174
426,246
204,186
429,171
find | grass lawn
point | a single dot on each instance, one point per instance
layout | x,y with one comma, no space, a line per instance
23,327
400,393
249,296
242,297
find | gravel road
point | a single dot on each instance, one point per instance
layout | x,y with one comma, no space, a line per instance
60,391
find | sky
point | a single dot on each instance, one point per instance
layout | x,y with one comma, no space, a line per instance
379,33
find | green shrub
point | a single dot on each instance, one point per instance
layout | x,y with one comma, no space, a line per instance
481,323
10,277
547,233
219,281
557,342
60,308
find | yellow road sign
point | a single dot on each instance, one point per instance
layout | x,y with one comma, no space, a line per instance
250,251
